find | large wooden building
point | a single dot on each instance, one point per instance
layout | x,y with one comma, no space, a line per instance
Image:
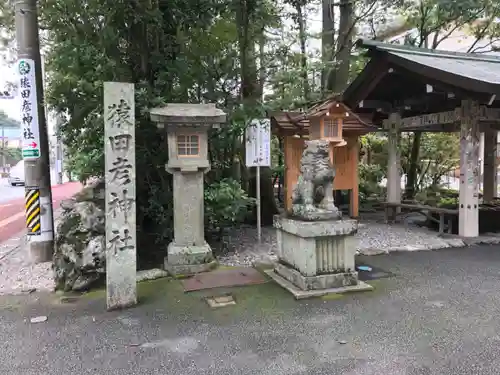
406,88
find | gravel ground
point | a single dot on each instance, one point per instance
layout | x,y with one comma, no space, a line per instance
19,275
373,238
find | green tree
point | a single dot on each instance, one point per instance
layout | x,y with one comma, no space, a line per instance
173,51
207,50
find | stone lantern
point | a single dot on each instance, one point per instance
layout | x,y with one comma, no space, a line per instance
187,128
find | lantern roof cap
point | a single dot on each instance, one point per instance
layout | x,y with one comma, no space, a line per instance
188,113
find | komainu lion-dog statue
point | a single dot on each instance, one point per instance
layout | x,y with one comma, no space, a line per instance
312,197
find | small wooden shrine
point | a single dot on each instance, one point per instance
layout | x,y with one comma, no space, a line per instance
330,120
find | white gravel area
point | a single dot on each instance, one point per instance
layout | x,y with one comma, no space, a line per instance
373,239
378,238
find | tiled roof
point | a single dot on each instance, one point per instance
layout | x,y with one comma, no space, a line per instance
480,67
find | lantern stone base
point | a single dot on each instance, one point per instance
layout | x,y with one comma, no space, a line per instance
316,258
188,260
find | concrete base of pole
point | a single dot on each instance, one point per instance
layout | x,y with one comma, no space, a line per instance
41,252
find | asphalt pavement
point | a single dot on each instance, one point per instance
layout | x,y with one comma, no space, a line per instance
437,315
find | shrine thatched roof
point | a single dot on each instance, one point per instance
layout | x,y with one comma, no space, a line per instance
297,122
416,81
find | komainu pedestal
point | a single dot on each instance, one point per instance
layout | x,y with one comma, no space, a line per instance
316,257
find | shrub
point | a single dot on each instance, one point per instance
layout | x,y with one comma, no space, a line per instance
370,176
226,204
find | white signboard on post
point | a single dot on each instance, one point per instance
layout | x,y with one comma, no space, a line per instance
29,108
258,154
258,143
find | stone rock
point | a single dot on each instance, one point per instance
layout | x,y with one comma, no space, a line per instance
94,256
94,191
91,217
38,319
152,274
67,204
80,247
84,282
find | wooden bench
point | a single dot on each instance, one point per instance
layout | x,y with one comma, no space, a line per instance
391,211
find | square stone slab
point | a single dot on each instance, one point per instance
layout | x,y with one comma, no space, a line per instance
220,301
224,278
302,294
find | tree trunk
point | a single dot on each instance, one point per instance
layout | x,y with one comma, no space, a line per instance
268,202
262,69
249,86
344,45
251,94
411,178
303,58
337,77
327,41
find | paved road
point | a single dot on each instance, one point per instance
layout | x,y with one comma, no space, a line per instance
8,192
12,205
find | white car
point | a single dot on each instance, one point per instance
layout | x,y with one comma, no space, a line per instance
16,175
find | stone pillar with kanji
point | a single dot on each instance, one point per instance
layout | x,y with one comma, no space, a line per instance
187,127
119,158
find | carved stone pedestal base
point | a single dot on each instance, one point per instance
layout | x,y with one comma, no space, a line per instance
188,260
316,258
316,215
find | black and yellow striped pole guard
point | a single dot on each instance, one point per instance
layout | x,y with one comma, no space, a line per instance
32,199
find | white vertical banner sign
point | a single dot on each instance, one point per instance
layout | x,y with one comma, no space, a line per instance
39,221
119,154
29,108
258,154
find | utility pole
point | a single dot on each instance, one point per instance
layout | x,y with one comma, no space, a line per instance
39,211
59,151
